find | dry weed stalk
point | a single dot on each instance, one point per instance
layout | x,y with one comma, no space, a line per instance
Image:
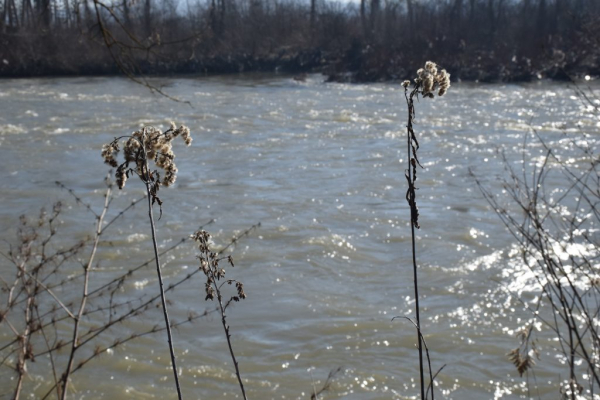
523,357
35,305
143,146
428,80
556,234
327,384
84,297
123,44
215,280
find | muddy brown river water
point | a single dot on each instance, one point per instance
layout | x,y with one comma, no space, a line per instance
318,166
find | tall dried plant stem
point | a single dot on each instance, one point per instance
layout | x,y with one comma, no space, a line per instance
228,336
209,264
146,179
411,177
418,318
86,277
26,335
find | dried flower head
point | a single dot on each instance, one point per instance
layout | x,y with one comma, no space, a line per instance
431,67
209,265
147,144
522,362
431,79
405,84
108,153
443,80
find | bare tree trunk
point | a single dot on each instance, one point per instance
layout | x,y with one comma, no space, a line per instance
456,18
23,10
54,13
26,13
77,10
43,13
67,21
471,12
541,19
213,17
31,20
491,20
126,14
88,12
411,19
3,17
556,17
313,11
222,16
147,18
14,21
363,18
375,11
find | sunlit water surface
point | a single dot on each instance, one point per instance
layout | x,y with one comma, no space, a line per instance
321,167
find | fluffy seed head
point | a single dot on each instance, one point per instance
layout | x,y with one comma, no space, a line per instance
147,144
432,79
443,79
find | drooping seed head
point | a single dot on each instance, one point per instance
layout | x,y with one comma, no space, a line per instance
431,79
147,144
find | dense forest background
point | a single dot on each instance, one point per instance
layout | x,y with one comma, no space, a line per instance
486,40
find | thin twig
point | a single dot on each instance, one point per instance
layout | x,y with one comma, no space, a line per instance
422,340
87,269
160,280
327,385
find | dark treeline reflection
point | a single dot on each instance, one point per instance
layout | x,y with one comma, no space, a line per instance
489,40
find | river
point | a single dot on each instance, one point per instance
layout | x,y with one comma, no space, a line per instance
321,167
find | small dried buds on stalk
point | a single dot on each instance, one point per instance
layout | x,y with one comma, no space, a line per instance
427,81
146,144
209,265
523,356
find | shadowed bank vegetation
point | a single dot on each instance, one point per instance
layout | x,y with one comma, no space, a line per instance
56,319
555,230
370,40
